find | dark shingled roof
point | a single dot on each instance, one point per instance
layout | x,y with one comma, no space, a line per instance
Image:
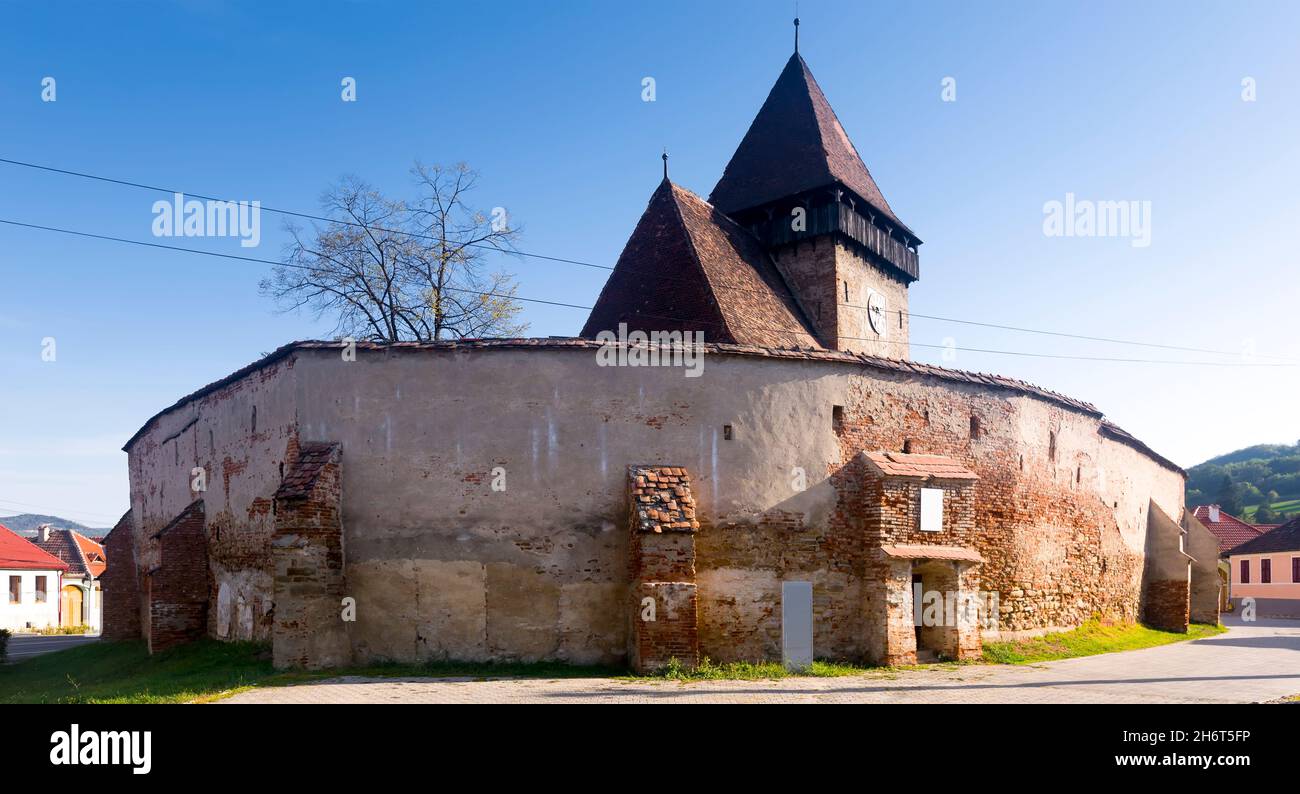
312,459
1284,538
76,550
688,267
795,143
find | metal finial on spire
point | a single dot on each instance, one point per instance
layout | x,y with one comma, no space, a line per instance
796,28
665,163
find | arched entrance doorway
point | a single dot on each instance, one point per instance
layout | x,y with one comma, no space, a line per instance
71,607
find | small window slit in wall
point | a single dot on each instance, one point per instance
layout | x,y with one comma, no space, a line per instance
254,418
837,416
1051,446
974,427
1078,475
726,432
846,291
907,447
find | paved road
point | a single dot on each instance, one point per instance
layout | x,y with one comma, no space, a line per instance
1251,662
25,646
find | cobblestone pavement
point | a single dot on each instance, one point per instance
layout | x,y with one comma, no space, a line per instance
1251,662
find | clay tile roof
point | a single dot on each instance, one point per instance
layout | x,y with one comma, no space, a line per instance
795,143
688,267
93,552
1284,538
1230,531
82,555
898,464
20,554
661,499
920,552
299,480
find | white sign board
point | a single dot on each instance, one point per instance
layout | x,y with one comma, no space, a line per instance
931,509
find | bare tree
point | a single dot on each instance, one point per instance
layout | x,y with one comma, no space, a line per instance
391,270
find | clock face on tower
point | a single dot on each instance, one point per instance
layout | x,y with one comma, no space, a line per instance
877,309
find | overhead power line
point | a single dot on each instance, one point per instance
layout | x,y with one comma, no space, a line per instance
182,249
258,260
1092,338
85,516
1020,353
581,263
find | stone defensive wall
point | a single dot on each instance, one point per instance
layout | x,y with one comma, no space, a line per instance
482,500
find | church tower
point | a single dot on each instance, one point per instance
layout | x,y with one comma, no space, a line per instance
798,184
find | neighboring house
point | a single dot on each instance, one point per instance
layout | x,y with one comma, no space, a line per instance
31,578
1231,532
81,596
1267,568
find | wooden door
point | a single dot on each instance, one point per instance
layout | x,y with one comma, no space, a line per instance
71,611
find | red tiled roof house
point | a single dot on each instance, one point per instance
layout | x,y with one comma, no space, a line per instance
31,580
80,596
1230,532
1266,571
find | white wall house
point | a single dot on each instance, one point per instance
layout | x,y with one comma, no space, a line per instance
30,582
31,598
81,594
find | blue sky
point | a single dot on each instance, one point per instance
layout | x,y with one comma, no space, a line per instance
1108,101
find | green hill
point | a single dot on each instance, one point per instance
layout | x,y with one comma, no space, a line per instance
1260,483
27,523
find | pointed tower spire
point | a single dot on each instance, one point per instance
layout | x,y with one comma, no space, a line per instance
796,160
795,144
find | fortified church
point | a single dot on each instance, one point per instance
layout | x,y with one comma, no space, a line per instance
803,497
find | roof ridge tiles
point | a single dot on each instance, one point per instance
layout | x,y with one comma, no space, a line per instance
723,348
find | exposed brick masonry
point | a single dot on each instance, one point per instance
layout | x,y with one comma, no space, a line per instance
664,598
308,555
121,583
178,588
1167,605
